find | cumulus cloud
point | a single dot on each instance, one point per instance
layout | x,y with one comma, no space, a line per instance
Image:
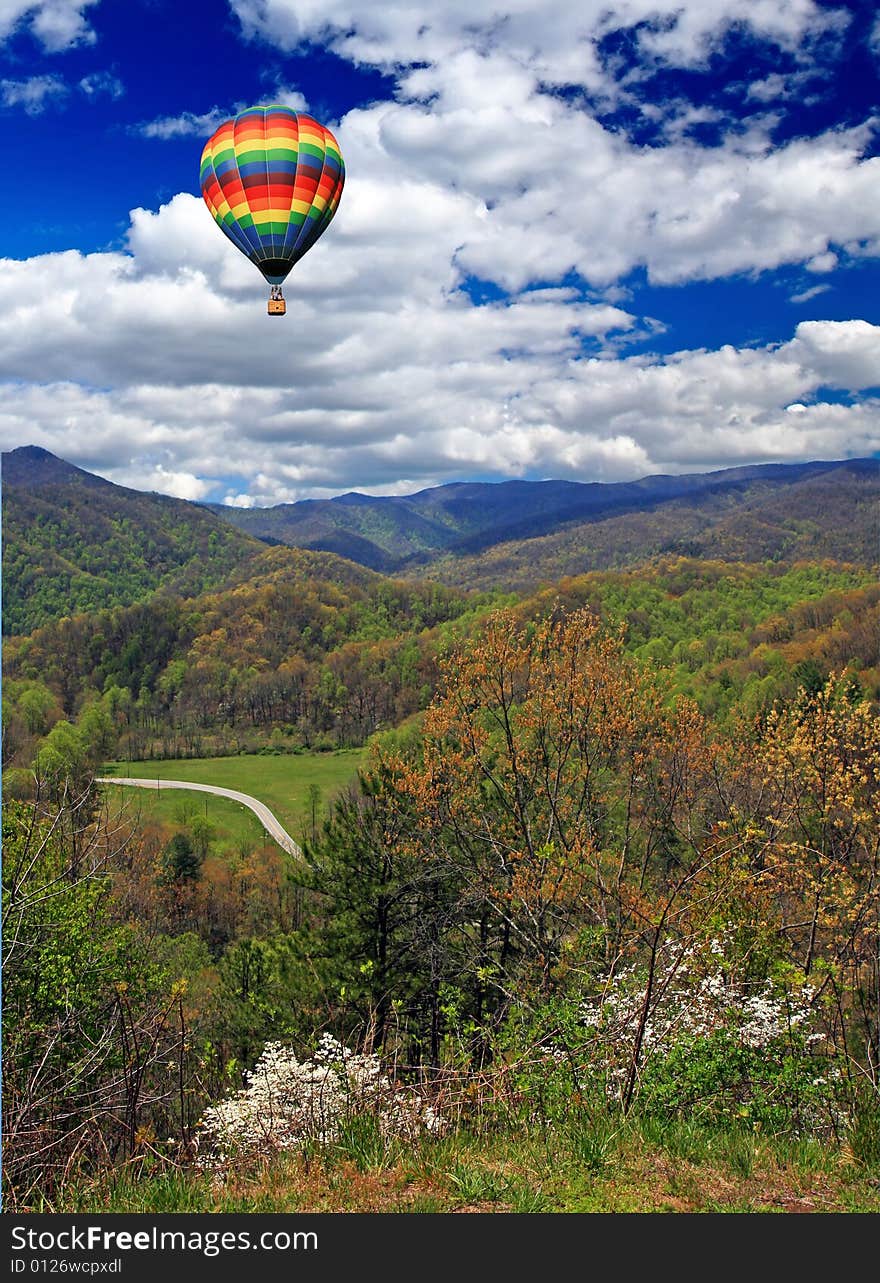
186,124
844,354
289,97
37,93
557,39
161,362
477,111
56,24
479,179
557,192
778,87
182,485
822,262
200,124
102,84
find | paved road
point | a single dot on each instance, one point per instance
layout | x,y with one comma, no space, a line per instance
260,810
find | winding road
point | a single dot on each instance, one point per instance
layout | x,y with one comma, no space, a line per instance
260,810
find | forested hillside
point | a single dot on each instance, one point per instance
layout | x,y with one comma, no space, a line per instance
74,542
593,928
307,642
320,652
526,531
833,513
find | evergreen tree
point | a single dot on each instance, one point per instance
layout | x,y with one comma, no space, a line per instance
181,862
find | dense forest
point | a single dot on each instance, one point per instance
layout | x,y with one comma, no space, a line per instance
600,912
322,653
830,514
73,542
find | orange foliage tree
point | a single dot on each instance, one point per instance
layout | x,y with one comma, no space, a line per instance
814,799
571,802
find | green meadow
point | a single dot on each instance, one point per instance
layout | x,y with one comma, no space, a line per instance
292,785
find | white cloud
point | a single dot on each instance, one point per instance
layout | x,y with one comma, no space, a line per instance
558,192
33,95
768,89
805,295
163,364
57,24
385,375
475,112
101,83
844,354
557,38
192,124
182,485
822,262
187,124
778,87
289,97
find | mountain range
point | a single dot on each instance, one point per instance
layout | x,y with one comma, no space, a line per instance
406,533
73,541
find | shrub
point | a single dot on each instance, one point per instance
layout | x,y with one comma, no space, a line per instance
713,1050
286,1102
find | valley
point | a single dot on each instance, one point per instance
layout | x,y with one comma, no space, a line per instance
587,785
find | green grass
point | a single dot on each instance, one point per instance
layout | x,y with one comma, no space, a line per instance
508,1169
283,782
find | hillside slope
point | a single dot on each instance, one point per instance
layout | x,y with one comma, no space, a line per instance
659,514
829,513
74,542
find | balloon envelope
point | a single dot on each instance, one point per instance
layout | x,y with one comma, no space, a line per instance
272,178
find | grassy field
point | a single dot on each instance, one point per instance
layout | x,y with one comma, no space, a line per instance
285,783
635,1167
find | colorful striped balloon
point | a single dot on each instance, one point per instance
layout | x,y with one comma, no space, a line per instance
272,177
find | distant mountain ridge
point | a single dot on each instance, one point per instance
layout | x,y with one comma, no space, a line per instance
403,533
832,514
32,467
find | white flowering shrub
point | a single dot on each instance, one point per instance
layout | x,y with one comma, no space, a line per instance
711,1046
689,1005
286,1101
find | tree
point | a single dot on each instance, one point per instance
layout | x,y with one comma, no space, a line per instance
577,806
815,807
808,676
384,927
37,704
537,781
62,760
181,861
264,992
88,1019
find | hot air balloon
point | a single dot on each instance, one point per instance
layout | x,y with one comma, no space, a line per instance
272,178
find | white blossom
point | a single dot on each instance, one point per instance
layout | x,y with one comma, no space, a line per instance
693,996
286,1101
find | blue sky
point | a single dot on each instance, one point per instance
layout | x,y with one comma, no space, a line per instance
581,239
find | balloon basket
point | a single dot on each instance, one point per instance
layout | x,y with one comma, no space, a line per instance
277,307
